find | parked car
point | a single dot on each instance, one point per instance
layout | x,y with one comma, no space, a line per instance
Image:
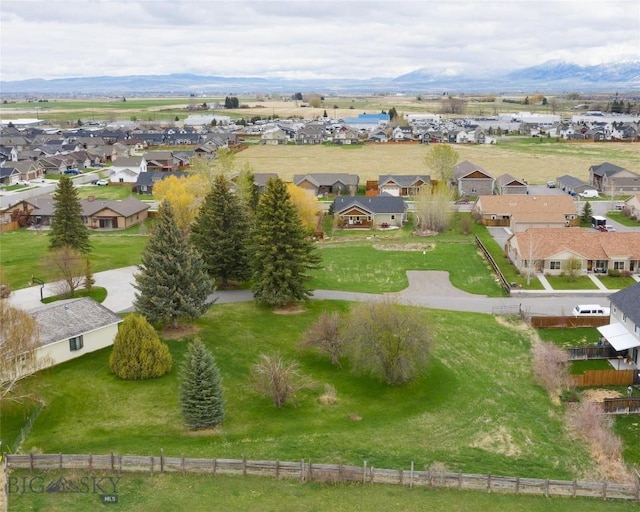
72,172
603,228
101,183
551,184
609,227
590,310
589,194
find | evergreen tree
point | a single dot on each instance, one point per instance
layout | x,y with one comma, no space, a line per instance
67,228
201,398
283,253
172,283
587,211
247,191
220,233
138,352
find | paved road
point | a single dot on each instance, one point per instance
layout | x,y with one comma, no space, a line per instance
426,288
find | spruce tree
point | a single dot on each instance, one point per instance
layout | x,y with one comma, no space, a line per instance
172,284
587,211
282,251
201,397
138,352
220,233
67,228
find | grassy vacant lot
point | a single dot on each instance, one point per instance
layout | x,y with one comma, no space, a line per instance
535,160
476,409
170,492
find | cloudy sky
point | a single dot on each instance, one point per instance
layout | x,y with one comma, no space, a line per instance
300,39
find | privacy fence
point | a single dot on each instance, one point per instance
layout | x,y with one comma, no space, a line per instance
328,473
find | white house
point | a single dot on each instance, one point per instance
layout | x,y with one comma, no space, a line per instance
126,170
623,331
72,328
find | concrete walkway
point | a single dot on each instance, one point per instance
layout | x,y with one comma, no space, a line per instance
431,289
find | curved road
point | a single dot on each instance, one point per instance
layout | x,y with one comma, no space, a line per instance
426,288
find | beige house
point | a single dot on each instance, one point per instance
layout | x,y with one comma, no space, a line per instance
521,212
71,328
632,205
369,212
546,250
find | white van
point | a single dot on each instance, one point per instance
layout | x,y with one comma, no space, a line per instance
590,310
589,193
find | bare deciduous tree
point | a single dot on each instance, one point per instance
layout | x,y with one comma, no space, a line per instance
324,335
277,379
551,367
433,208
19,340
388,341
572,268
70,267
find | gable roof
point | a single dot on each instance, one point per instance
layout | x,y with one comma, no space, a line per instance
45,205
68,318
403,180
151,177
605,169
373,204
326,178
628,301
465,168
572,181
514,204
505,180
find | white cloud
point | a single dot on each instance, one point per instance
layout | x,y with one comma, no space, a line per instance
348,39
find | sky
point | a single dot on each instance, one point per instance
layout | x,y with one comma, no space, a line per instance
300,39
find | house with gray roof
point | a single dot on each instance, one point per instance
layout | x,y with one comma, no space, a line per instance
320,184
127,169
613,179
623,331
403,185
472,180
572,185
366,212
146,180
507,185
72,328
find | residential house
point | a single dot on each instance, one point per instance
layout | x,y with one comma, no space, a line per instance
632,206
369,212
146,180
402,134
520,212
9,176
378,136
613,179
403,185
572,185
96,213
127,170
320,184
624,131
72,328
345,136
160,161
28,169
206,151
8,153
507,184
623,331
472,180
260,180
548,249
310,134
274,137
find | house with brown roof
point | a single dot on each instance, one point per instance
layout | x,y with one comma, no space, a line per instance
548,249
520,212
472,180
96,213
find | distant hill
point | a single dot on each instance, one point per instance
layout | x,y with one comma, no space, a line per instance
551,76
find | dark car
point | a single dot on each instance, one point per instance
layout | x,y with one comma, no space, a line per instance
72,172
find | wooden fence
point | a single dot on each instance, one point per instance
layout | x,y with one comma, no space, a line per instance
621,405
503,281
549,322
593,352
308,471
5,227
604,378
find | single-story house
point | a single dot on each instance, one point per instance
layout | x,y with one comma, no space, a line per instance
28,169
403,185
146,180
260,180
96,213
472,180
369,212
519,212
623,331
547,249
328,183
72,328
612,179
572,185
507,184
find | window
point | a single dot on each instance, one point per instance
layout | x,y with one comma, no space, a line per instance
618,265
554,265
76,343
393,217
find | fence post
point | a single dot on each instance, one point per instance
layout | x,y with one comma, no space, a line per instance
517,485
60,463
575,485
112,465
152,464
215,466
302,470
90,462
278,469
411,477
161,460
459,480
309,475
489,482
604,490
244,465
31,460
364,471
372,477
182,464
401,477
546,488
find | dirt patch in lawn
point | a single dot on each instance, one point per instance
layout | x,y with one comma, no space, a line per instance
598,395
179,332
292,309
405,247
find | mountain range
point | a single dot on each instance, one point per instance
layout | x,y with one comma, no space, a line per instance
550,77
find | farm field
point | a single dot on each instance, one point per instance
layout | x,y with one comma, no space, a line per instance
170,492
535,160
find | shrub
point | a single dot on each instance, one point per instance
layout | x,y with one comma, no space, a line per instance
275,378
551,367
138,352
587,420
324,335
613,272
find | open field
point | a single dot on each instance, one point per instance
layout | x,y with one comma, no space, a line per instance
476,408
535,160
171,492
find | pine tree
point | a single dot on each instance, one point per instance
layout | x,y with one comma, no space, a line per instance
220,233
67,228
201,398
138,352
587,211
172,283
282,252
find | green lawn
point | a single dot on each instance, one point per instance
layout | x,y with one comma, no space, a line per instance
13,416
170,492
476,409
579,367
578,337
375,270
97,293
577,283
108,192
625,221
616,283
